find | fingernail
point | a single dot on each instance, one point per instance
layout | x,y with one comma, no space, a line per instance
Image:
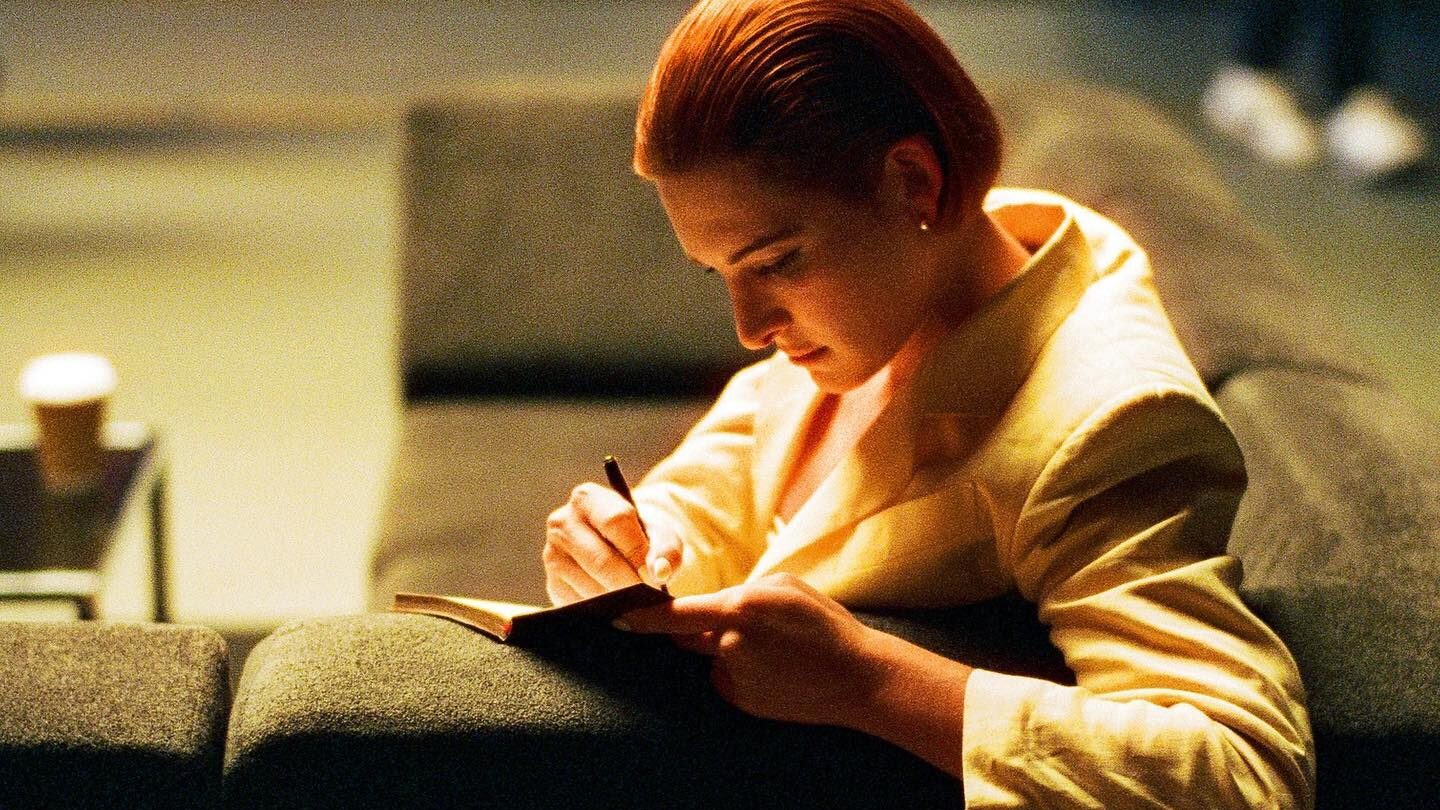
619,624
661,569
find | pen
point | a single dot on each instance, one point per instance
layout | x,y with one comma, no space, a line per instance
617,483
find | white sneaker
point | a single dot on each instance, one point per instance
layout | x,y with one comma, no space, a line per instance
1369,137
1256,109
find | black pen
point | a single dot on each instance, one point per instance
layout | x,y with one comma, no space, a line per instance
617,483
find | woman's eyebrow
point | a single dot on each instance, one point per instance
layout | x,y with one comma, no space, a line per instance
757,244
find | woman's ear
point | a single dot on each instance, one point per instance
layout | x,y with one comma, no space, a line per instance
913,178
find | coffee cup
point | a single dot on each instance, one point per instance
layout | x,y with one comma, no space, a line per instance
68,394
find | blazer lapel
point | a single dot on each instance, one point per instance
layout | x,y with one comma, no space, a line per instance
869,478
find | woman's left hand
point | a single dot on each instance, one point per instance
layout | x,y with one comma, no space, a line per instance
782,649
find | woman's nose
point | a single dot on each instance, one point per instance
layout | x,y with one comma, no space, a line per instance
758,319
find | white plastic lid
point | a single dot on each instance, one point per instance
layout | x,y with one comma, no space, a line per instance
63,379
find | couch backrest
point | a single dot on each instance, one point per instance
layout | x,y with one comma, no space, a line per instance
535,262
1234,299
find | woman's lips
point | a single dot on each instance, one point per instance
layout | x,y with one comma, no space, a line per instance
807,356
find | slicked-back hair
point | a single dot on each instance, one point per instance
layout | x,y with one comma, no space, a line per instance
814,92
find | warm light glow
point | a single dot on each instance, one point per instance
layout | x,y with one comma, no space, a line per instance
63,379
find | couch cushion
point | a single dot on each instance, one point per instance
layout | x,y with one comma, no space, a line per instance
1339,532
473,483
1227,286
398,711
535,261
96,714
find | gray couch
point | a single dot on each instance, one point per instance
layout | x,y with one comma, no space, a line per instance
548,319
545,302
102,715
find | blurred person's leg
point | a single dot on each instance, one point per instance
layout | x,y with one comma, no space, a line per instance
1266,34
1346,40
1249,101
1366,133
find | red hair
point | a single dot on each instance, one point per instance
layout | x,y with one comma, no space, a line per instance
816,92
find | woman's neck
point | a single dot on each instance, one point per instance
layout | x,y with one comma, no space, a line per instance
989,258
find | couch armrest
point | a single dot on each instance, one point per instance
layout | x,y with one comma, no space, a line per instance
97,714
393,710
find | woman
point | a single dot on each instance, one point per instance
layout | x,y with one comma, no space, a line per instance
974,391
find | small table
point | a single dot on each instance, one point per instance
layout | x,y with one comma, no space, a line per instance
66,549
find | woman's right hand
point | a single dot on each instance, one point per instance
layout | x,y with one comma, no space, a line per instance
594,544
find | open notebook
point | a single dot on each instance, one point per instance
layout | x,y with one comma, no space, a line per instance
514,624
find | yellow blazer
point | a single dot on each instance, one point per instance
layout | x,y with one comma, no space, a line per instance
1061,444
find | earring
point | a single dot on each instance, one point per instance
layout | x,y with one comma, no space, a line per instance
924,226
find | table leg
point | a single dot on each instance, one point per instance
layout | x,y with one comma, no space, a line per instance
159,527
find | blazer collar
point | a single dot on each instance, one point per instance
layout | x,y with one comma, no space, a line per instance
979,366
976,369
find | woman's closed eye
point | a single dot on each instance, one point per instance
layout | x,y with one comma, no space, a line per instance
781,264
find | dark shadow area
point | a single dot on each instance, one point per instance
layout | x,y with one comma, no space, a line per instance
108,138
564,379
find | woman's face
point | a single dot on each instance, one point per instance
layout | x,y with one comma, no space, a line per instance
838,286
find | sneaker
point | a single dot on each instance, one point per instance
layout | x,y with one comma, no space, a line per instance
1258,110
1368,137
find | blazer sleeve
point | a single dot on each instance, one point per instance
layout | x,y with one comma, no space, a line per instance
1183,698
703,491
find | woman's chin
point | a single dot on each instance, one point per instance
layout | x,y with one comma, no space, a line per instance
833,379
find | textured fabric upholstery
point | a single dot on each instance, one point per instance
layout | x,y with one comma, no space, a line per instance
1234,301
1340,532
474,481
535,261
392,710
102,715
1344,482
